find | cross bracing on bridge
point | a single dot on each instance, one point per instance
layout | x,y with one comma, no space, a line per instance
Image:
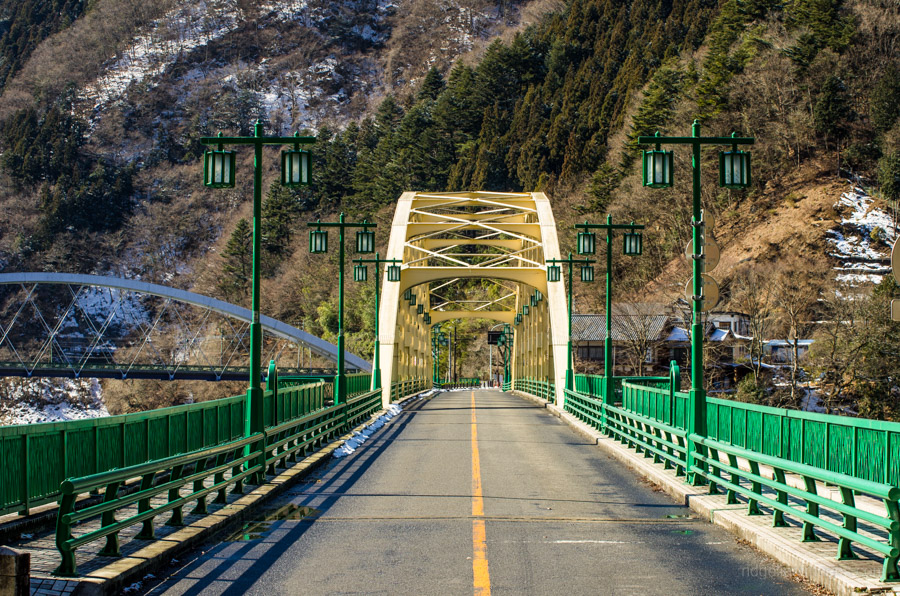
74,325
474,255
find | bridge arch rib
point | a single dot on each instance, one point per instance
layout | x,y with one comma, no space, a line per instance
449,238
271,326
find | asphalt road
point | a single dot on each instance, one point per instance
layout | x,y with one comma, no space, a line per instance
512,503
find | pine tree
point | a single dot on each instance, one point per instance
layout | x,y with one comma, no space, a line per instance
431,86
279,212
885,100
237,266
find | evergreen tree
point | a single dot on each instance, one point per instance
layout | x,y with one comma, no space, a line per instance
431,86
237,267
832,109
885,100
279,212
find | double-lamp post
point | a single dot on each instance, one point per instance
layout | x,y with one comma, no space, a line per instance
318,244
219,167
734,172
361,273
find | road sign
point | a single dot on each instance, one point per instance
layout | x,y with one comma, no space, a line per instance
710,292
494,337
710,253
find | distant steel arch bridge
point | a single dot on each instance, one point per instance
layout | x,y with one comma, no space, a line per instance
74,325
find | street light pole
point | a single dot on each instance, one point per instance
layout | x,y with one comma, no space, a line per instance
734,172
633,246
319,244
376,360
218,172
553,275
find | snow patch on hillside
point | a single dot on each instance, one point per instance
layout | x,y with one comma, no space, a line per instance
192,24
30,401
860,242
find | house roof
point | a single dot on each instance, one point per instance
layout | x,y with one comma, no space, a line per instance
590,327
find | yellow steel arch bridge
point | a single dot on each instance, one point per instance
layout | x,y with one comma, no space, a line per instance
445,240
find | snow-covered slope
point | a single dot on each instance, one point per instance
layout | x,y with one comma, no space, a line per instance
28,401
861,241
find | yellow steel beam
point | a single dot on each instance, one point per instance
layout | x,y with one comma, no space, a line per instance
416,228
502,316
533,276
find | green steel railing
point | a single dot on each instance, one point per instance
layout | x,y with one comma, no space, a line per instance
191,468
280,444
464,383
359,383
857,456
730,476
857,447
401,389
544,389
36,458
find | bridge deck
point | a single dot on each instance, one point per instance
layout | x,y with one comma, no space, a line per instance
403,515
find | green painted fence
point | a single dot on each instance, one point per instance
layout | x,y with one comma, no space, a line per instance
544,389
359,383
858,447
401,389
280,444
855,455
36,458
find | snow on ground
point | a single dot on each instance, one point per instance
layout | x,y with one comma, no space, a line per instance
360,437
862,257
29,401
192,24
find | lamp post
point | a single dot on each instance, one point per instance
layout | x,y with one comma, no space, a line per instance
734,172
587,276
633,245
361,273
318,244
491,355
218,172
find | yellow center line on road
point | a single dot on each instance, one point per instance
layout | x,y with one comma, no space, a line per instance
481,576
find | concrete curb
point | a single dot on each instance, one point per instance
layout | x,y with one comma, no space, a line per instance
113,578
844,578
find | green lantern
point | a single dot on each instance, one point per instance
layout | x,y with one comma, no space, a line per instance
525,310
318,241
554,273
218,168
427,318
360,273
734,169
533,300
518,318
587,243
633,243
295,170
407,294
538,295
420,309
587,273
412,300
393,272
657,168
365,241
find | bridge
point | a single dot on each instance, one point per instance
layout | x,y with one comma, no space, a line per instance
557,482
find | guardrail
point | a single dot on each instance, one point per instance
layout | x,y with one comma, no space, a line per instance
401,389
191,468
468,383
279,445
358,383
715,471
543,389
858,447
36,458
742,437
